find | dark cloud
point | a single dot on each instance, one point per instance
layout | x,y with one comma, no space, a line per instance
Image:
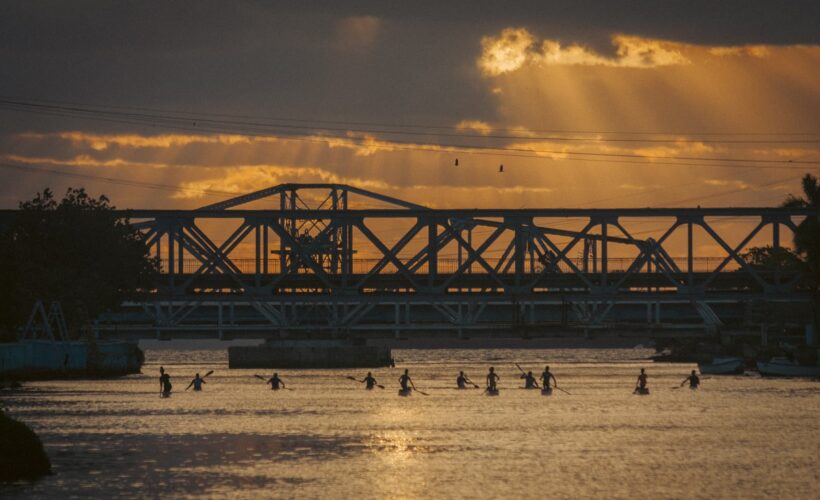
284,58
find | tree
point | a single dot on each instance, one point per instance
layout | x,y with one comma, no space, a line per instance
770,259
807,237
78,251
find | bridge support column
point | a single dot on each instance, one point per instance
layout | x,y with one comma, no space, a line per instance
219,321
396,320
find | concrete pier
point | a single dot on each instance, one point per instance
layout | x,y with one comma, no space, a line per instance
46,359
309,354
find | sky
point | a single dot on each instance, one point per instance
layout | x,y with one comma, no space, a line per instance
585,103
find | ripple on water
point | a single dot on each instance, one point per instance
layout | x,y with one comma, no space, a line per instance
736,437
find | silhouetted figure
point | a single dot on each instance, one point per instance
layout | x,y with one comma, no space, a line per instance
501,168
492,380
546,376
405,381
693,379
456,163
164,383
641,388
529,380
370,381
275,382
463,380
196,382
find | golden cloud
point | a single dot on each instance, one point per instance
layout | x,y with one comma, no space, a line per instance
101,142
515,47
79,161
248,178
506,52
759,51
482,128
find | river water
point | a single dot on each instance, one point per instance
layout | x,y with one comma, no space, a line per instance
736,437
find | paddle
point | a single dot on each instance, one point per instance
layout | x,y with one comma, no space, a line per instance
189,385
562,390
362,381
414,388
260,377
524,373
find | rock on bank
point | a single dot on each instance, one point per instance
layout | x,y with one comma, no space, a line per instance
21,453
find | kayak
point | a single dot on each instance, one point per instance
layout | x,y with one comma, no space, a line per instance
642,392
782,367
546,391
492,392
722,366
405,392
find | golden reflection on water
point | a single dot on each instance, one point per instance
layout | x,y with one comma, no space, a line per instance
738,437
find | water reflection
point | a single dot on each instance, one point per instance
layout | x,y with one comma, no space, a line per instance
330,438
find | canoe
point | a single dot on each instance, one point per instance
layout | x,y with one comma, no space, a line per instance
405,392
546,392
722,366
492,392
782,367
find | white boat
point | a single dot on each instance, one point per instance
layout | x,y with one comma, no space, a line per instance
405,392
546,391
783,367
722,366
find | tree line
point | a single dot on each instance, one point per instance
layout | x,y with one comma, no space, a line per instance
77,251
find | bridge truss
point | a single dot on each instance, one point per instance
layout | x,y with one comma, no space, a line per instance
318,264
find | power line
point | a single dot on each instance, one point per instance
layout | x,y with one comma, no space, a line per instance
115,180
192,114
174,122
204,118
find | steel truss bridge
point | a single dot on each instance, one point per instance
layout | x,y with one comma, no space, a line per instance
317,265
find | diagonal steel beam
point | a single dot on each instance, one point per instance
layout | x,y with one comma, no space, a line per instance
391,254
733,253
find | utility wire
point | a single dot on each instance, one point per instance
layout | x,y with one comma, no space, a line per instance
116,180
192,114
212,126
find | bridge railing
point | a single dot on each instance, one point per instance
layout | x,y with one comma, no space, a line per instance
450,265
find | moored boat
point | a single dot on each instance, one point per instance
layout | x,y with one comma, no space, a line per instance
782,367
722,366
